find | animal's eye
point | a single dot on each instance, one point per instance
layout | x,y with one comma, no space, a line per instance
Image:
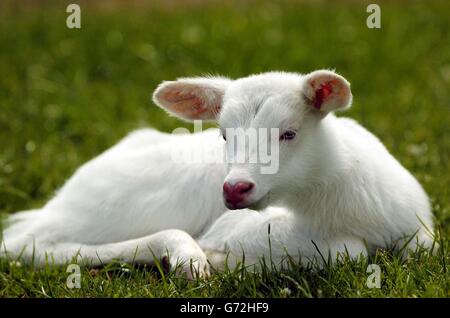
288,135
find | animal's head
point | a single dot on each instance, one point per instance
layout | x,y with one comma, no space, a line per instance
285,108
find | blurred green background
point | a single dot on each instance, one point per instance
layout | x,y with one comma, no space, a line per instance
68,94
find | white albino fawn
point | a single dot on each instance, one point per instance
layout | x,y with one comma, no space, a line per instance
337,190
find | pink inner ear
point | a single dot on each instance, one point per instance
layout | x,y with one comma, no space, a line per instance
185,103
321,94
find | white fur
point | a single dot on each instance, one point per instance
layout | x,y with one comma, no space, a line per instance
338,190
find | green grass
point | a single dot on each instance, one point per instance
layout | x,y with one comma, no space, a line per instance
66,95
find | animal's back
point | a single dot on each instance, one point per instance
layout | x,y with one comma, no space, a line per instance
132,190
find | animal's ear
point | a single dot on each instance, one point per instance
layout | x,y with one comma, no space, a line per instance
326,91
192,98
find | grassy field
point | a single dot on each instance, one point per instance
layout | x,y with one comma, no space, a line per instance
66,95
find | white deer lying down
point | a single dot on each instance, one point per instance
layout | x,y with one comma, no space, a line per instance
337,189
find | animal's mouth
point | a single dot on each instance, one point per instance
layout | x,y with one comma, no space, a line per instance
255,204
236,206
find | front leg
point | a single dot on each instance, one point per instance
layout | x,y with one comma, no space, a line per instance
273,234
177,248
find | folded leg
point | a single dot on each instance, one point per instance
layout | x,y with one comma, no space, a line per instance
248,236
179,247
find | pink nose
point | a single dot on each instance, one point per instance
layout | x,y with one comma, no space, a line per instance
235,194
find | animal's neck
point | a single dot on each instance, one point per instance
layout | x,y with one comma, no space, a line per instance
326,164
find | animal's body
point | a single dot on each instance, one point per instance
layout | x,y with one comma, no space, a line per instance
337,189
